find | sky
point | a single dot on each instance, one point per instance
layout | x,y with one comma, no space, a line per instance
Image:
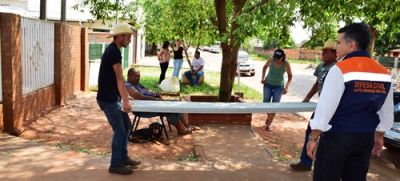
54,9
298,33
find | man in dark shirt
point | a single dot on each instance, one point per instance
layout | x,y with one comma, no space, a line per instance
328,60
111,94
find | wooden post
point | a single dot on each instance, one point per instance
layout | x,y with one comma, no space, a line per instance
63,10
43,9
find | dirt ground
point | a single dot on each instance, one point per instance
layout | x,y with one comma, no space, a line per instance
287,136
82,126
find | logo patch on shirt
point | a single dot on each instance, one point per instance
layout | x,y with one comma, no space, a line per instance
369,87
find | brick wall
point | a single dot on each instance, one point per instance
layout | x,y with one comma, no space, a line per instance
11,73
67,61
99,37
300,54
84,60
38,103
70,58
1,117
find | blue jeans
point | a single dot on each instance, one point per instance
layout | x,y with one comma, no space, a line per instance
188,75
304,159
120,124
177,67
272,91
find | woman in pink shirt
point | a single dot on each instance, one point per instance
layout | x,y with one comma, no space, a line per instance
164,57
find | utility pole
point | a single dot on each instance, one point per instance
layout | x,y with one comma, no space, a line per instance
43,9
63,10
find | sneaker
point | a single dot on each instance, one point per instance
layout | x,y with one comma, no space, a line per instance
132,163
300,167
123,170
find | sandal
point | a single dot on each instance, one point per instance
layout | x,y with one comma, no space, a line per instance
187,131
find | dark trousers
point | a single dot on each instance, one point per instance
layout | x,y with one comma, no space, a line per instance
343,156
164,67
304,159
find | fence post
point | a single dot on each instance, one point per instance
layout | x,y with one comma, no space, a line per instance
13,117
1,88
84,60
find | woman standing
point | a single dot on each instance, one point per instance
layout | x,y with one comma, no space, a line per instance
274,82
164,57
178,57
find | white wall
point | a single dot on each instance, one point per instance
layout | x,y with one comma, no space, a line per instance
16,3
141,45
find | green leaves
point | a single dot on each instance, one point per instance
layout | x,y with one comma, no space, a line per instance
321,16
109,10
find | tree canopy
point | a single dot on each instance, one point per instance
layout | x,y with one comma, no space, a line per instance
200,22
382,16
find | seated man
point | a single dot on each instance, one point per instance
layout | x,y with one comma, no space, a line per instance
139,92
197,69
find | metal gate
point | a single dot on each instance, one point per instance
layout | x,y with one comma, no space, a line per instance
37,54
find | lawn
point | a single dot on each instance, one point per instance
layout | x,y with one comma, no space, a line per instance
149,78
263,58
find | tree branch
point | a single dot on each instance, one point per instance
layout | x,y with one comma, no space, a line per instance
255,6
220,10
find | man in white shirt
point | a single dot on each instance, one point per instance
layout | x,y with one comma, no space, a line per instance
196,69
354,110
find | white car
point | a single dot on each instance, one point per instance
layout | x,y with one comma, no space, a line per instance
215,48
245,62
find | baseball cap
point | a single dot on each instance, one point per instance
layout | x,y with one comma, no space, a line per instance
279,53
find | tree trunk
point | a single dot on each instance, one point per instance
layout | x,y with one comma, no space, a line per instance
154,49
228,72
374,35
229,48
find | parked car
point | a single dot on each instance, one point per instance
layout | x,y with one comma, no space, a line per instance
245,62
215,48
392,137
205,48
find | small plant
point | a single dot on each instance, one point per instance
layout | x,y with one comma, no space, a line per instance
192,157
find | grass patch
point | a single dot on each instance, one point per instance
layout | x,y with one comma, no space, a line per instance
259,57
149,78
315,61
73,147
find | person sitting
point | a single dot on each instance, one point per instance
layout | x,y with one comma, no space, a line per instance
196,70
138,92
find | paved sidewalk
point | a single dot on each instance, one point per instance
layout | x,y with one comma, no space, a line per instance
227,153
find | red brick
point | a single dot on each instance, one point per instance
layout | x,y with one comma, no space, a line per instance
11,73
67,61
38,103
1,117
84,60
